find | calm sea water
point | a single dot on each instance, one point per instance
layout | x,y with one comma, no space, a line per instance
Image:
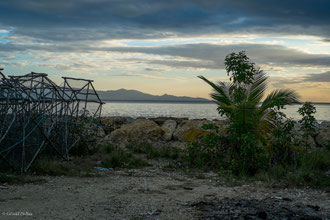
190,110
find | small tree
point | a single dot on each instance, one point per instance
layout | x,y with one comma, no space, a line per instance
239,101
282,144
250,122
308,121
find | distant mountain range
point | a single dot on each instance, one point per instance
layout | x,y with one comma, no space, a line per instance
137,96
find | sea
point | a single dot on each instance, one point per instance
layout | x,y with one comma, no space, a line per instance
192,110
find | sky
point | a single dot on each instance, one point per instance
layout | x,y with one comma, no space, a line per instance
160,47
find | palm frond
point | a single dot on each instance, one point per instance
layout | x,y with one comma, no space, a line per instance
224,109
264,122
280,97
258,88
221,94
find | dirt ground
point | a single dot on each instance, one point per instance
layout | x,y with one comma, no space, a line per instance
151,193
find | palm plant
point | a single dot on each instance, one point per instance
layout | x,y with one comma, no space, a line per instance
240,99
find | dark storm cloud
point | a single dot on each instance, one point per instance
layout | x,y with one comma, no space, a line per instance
318,77
71,20
308,80
211,56
201,55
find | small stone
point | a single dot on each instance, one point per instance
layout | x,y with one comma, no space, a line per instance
262,215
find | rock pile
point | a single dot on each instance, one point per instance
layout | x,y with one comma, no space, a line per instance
122,130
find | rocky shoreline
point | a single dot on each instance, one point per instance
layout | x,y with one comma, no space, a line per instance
170,130
159,191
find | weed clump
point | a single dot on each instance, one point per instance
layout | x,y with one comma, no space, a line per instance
119,157
4,178
154,152
78,166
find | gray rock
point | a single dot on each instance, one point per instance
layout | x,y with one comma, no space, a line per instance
138,131
188,127
169,127
323,136
182,130
113,123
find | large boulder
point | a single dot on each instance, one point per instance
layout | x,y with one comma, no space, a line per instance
191,130
137,131
112,123
169,127
323,136
187,127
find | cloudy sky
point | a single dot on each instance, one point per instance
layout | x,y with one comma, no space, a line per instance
160,46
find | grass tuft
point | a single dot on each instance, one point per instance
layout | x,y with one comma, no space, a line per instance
4,178
78,166
154,152
118,157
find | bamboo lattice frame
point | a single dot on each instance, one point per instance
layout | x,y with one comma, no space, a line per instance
37,114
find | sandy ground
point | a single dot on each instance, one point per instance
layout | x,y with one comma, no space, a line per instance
148,193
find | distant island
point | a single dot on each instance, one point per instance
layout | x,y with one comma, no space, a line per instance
137,96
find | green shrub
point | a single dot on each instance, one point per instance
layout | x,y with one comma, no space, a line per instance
200,157
154,152
47,166
54,166
107,148
309,170
250,158
118,157
315,160
281,147
303,178
245,156
308,121
206,153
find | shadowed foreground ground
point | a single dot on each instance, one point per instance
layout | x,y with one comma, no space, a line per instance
157,193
